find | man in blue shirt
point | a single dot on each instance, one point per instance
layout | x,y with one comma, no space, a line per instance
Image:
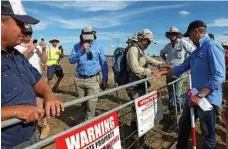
90,60
20,82
207,64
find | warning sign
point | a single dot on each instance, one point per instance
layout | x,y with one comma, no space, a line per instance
100,134
149,111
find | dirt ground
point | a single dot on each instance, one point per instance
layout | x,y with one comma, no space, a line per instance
160,137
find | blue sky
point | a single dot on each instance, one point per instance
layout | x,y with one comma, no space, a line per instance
118,20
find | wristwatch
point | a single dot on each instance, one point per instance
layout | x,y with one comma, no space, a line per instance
200,95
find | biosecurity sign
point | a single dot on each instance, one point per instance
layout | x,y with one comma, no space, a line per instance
100,134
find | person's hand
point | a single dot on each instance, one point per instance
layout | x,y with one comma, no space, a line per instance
165,67
194,101
31,48
44,68
28,113
85,46
42,45
53,106
156,73
103,85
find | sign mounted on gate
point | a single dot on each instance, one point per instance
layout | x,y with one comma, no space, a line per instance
99,134
149,111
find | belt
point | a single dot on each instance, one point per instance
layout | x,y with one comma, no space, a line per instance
86,77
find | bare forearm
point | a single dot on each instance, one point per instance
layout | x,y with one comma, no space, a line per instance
27,53
43,89
7,112
44,57
163,57
205,91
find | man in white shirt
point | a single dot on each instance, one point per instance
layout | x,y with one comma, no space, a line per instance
174,53
35,54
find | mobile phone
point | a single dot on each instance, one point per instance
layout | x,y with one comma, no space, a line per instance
89,55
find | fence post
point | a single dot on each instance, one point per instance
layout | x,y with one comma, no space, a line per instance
146,87
175,102
192,115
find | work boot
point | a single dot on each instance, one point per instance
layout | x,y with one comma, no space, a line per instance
45,130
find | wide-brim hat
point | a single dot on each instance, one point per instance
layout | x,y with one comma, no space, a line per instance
53,40
172,30
15,9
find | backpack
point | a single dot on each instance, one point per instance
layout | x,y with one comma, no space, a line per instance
120,65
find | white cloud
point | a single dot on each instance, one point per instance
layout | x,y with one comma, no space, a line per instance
184,13
221,38
91,6
107,20
220,22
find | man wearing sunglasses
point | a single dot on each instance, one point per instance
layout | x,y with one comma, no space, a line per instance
20,82
89,56
36,54
174,53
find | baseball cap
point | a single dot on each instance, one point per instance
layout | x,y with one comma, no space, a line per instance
15,9
28,29
193,25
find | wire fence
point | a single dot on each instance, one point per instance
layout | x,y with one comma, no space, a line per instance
162,135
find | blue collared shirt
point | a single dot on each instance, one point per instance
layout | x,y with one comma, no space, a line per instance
17,88
89,67
207,64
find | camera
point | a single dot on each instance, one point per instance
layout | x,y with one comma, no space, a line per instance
89,55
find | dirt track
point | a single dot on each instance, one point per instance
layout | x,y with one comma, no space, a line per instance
159,138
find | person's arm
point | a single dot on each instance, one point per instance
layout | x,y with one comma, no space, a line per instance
185,66
26,113
53,106
163,53
217,68
43,55
29,50
104,65
51,102
133,63
163,56
75,54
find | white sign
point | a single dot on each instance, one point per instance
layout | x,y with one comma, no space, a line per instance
149,111
100,134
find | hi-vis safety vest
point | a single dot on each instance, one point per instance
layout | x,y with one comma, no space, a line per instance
53,55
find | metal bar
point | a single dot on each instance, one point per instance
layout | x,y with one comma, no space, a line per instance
76,101
175,102
52,138
146,87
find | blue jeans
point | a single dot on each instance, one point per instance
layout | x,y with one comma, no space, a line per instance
178,86
207,125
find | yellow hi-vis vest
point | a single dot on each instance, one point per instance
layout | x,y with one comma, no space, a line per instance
53,55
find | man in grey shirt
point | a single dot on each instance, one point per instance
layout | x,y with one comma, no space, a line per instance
174,53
